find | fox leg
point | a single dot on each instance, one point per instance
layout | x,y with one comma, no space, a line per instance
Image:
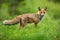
35,24
22,23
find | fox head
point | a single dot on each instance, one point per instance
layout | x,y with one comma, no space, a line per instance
42,12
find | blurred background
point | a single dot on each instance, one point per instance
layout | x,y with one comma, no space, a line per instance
48,29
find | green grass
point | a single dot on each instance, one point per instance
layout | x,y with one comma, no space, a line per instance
48,29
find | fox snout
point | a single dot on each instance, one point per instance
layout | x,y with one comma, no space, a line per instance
42,14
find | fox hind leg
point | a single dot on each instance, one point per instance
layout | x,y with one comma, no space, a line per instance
22,23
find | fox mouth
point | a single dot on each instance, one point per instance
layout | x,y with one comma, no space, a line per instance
41,16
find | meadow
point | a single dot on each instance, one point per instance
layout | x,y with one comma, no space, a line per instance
47,29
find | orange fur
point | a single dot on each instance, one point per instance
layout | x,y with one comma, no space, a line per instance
27,18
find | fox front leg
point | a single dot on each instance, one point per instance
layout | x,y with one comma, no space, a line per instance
36,21
35,24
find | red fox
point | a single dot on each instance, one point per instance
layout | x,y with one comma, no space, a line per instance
27,18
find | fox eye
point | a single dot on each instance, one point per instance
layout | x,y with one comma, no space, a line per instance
44,12
40,12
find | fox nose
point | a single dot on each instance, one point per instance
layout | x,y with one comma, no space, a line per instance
42,14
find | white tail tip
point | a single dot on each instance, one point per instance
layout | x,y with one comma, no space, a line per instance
5,22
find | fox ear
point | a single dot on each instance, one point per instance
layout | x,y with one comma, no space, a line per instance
39,8
45,8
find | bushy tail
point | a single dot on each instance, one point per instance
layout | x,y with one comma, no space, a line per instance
13,21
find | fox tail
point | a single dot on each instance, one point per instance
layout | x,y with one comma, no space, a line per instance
13,21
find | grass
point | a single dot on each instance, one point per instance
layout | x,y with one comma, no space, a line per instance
48,29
